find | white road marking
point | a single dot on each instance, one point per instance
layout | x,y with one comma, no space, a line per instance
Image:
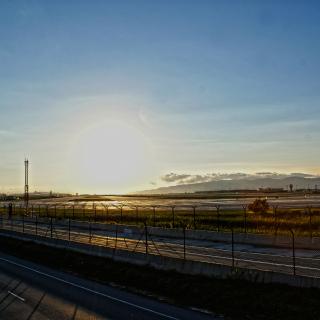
87,289
16,296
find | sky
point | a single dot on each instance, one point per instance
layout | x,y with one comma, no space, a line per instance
112,96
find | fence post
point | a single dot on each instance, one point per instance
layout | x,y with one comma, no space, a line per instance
69,228
36,225
245,217
23,223
172,210
137,214
218,217
47,210
73,212
154,216
90,231
310,220
64,211
115,244
293,253
275,219
55,211
232,246
107,212
51,226
194,217
184,242
146,237
95,212
121,206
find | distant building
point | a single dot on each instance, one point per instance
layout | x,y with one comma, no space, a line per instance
271,189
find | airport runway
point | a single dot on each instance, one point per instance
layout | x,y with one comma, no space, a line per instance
114,202
29,291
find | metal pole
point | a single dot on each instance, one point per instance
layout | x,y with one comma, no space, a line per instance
275,219
146,235
115,245
218,218
194,218
245,218
107,209
172,209
184,242
51,226
310,221
293,253
232,239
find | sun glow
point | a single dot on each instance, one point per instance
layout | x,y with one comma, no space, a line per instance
111,156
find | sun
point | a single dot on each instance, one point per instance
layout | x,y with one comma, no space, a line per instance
110,156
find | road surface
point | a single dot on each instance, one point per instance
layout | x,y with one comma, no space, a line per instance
307,262
29,291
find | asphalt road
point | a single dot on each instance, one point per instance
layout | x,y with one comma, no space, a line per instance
307,262
29,291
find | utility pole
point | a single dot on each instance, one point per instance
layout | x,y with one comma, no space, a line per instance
26,183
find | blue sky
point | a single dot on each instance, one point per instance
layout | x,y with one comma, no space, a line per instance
212,86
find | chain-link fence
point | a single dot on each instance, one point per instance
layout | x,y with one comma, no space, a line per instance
284,254
277,220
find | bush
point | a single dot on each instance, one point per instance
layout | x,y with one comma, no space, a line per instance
259,206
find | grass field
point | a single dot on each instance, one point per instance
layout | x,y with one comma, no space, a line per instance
304,222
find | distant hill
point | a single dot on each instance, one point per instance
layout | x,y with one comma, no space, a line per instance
241,184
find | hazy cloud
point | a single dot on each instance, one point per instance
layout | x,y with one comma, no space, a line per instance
197,178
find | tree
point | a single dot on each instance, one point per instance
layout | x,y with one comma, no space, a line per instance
259,206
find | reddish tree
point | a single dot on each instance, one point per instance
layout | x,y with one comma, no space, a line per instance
259,206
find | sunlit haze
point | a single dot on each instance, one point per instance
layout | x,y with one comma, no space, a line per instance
113,96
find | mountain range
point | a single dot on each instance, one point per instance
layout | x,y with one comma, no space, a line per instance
240,184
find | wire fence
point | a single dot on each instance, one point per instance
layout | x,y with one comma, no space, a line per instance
176,243
277,220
